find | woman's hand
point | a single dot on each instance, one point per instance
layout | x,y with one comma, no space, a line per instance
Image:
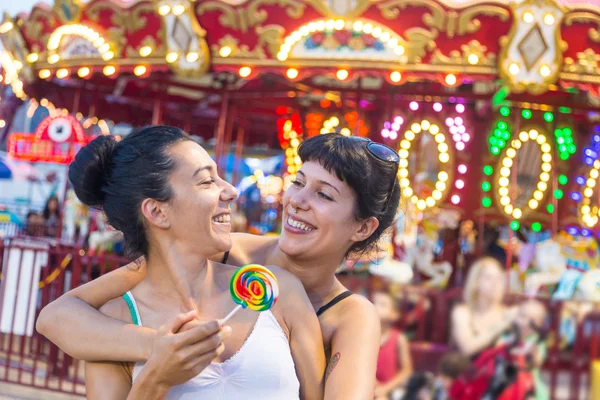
178,357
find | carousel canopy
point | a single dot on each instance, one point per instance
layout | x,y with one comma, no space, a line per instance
174,61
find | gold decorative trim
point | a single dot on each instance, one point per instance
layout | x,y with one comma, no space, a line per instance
436,20
593,33
243,19
468,24
592,79
237,51
322,7
271,37
228,18
253,15
98,62
462,57
587,62
67,10
418,42
355,64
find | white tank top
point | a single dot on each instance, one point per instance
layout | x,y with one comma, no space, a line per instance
263,368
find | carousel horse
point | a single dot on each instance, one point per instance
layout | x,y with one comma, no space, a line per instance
417,249
386,266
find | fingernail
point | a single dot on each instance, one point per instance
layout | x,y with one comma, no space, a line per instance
220,321
190,313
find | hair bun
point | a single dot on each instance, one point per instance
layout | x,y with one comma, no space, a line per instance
89,171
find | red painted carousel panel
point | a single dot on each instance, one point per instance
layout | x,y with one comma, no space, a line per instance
38,25
135,22
578,38
411,16
217,23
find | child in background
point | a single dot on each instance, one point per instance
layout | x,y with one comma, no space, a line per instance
528,350
394,365
448,383
420,386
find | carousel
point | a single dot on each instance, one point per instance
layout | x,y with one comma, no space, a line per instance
491,105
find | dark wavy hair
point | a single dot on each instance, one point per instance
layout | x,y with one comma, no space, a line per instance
117,177
373,181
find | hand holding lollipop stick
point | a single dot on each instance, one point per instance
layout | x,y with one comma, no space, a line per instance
253,286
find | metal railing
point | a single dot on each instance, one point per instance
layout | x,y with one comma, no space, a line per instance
34,273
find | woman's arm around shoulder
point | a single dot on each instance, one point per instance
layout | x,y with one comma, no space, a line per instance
354,350
306,341
75,316
112,380
246,248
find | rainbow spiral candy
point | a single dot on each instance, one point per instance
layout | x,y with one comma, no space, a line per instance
255,287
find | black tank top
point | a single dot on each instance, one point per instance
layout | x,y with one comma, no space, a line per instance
321,310
333,302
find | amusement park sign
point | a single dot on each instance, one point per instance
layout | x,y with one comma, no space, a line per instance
56,140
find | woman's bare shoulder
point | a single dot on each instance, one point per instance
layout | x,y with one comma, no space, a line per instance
117,309
287,281
354,312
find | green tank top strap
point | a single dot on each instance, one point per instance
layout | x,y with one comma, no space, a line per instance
133,308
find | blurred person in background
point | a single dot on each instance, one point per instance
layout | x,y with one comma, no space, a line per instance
449,382
478,322
51,216
34,225
394,364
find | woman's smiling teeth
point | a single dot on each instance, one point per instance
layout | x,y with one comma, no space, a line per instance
223,218
299,225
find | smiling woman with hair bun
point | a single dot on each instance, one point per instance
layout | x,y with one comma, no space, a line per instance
163,192
344,198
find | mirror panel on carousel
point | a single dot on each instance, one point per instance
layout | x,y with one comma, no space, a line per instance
431,139
530,166
523,172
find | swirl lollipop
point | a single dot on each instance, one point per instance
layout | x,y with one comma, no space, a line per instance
253,286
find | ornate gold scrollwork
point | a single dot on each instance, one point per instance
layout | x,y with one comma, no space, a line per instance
587,62
468,24
245,18
594,33
271,37
129,21
67,10
452,22
462,57
418,42
33,27
238,51
254,16
436,20
325,9
148,40
228,17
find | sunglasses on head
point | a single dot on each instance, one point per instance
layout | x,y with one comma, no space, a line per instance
383,153
379,150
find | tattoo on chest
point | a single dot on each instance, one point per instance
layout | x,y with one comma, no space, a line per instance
332,364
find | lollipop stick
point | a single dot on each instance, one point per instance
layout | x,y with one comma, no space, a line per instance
232,313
